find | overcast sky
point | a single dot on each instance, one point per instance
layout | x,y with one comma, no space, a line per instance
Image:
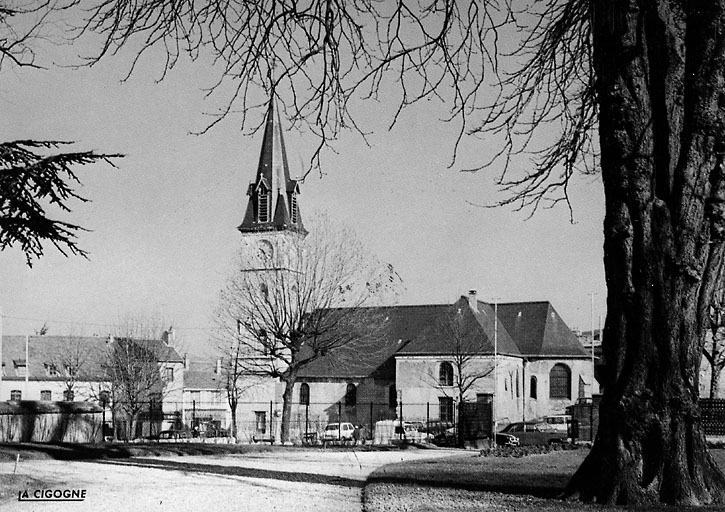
164,222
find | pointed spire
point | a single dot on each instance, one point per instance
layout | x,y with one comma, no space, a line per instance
272,202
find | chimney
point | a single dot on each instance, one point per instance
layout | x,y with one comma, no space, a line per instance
186,361
169,336
472,301
218,370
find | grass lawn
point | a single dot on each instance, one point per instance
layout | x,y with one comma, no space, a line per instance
471,482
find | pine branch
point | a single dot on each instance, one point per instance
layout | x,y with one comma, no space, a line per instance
30,183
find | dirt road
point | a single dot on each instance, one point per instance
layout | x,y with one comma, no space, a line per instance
318,481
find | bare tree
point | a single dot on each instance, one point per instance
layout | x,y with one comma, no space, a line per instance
468,358
302,300
236,378
132,368
714,347
70,361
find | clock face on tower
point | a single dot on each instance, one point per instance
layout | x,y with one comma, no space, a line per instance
265,250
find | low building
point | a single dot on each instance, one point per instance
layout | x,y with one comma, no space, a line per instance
76,368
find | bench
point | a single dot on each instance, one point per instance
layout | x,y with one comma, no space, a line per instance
263,439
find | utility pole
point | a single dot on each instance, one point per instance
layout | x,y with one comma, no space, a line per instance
1,351
27,367
495,368
591,330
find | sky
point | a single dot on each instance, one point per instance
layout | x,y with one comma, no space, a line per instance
163,222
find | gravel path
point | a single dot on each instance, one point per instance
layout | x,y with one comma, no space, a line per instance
318,481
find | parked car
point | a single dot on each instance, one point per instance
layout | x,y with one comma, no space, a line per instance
440,433
520,434
412,431
338,432
555,423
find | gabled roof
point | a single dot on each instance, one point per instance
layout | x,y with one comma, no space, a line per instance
54,350
479,332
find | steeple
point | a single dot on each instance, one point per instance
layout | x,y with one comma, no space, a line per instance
273,194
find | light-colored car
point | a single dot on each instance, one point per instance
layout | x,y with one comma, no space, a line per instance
338,432
554,423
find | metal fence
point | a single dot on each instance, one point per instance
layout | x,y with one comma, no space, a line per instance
261,421
586,415
713,416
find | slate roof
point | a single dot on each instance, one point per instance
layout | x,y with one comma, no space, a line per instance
202,375
433,340
376,358
49,350
525,329
539,331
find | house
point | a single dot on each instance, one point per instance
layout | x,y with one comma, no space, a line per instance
75,368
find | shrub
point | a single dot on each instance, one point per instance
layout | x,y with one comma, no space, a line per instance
523,451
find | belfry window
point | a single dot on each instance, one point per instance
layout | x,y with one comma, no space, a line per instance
263,206
293,208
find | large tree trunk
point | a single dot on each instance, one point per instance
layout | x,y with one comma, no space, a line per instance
233,409
287,396
659,69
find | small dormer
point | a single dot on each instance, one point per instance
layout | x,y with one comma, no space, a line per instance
262,199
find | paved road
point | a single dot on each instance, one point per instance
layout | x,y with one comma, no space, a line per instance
301,481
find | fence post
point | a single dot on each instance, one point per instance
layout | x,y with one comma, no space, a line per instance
427,416
400,419
339,421
372,425
307,417
271,415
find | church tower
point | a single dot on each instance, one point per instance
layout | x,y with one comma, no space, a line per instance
272,218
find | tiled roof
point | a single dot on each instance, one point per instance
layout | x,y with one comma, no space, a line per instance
54,350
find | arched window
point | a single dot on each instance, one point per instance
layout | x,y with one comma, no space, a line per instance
305,393
351,395
532,387
445,374
263,205
560,381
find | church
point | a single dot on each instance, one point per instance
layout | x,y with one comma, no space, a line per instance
521,358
